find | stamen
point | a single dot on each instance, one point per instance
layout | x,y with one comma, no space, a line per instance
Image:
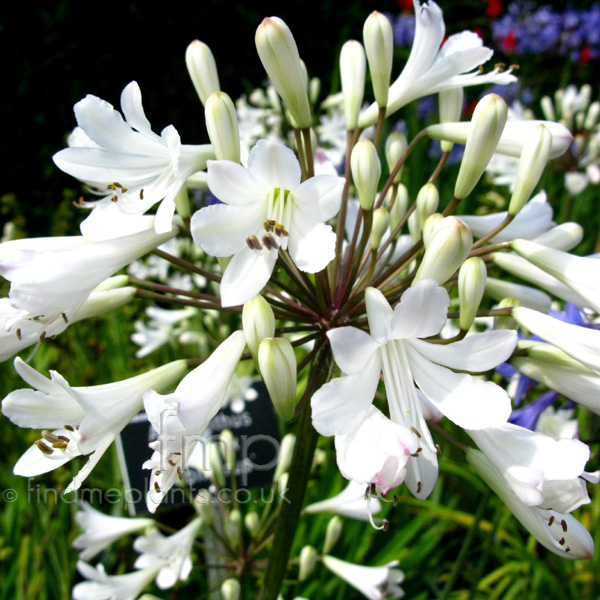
171,462
69,428
65,318
379,528
419,487
157,487
157,473
438,449
45,449
179,473
60,445
253,243
116,184
386,525
142,194
396,500
269,242
550,521
115,198
415,431
564,525
567,549
19,336
42,336
49,436
562,541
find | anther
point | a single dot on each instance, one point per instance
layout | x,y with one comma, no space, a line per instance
171,462
385,524
373,489
419,487
157,473
562,541
438,449
45,449
65,318
564,525
567,549
123,190
117,184
110,186
49,436
281,230
42,336
179,474
114,198
253,243
415,431
550,521
367,492
269,242
69,428
60,445
157,487
515,67
19,336
64,438
480,68
142,194
396,500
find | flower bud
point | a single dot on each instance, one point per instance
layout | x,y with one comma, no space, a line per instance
286,450
489,118
227,442
252,523
471,286
381,222
562,237
216,464
222,126
308,560
498,289
395,147
279,55
366,171
448,248
353,66
427,202
232,527
451,105
548,108
277,363
534,157
399,207
430,226
202,69
332,534
379,46
505,321
591,118
258,323
231,589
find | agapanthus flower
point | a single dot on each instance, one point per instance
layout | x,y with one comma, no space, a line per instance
266,208
350,502
85,420
396,347
133,167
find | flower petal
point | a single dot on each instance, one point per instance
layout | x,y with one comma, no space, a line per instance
351,348
273,165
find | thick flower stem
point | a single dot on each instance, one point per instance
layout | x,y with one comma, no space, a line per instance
287,522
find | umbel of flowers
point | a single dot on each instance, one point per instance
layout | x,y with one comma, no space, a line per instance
366,309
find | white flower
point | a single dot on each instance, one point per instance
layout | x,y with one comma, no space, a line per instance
540,470
170,554
180,418
560,533
350,502
375,583
558,424
111,587
85,420
431,69
52,277
266,208
133,166
395,349
376,452
100,530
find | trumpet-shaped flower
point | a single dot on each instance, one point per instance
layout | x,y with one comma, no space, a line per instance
431,69
560,533
111,587
350,502
130,164
180,418
171,554
376,583
540,470
86,420
100,530
395,348
51,278
266,208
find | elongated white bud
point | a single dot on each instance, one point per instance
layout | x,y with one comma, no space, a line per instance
252,523
222,125
562,237
430,226
308,560
366,171
202,68
279,55
399,207
489,118
534,157
451,105
448,248
286,451
427,202
379,46
381,222
277,363
231,589
332,533
258,323
395,146
472,276
353,67
233,528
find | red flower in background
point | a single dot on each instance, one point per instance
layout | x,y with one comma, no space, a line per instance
494,8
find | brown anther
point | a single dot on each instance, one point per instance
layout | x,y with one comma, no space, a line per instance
500,65
396,500
157,473
386,524
42,336
117,184
110,186
562,541
65,318
564,525
415,431
114,198
171,462
253,243
550,521
142,194
419,487
269,225
367,492
69,428
281,230
64,438
515,67
45,449
19,336
156,486
269,242
373,489
176,453
123,190
567,549
49,436
60,445
179,473
415,455
438,449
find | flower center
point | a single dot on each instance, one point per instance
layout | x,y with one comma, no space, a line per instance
277,223
56,444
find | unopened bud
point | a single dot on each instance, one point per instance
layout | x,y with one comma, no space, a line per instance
227,441
202,69
427,202
471,286
222,126
216,464
232,527
353,67
308,560
379,46
286,450
258,323
591,118
277,363
381,222
449,246
332,534
451,105
252,523
562,237
430,226
535,155
395,147
399,207
498,289
548,108
505,321
489,118
231,589
279,55
366,171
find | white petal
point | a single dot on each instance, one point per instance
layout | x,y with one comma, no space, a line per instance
232,184
311,249
272,165
131,105
320,197
351,348
422,473
379,314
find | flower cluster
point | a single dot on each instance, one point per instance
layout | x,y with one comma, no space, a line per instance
375,312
